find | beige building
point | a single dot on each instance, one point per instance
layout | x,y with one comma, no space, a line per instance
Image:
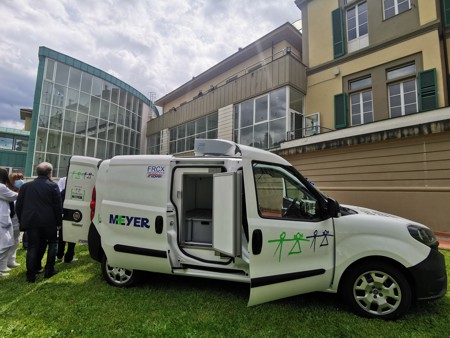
358,102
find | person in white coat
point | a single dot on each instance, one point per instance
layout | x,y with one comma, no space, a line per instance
16,180
6,228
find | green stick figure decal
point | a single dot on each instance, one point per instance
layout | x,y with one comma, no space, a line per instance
296,248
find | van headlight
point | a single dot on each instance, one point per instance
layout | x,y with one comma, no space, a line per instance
423,235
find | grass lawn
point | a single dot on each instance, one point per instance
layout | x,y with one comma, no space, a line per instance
78,303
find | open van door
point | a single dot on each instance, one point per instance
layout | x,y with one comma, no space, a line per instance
80,182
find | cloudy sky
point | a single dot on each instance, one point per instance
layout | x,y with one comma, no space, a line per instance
153,45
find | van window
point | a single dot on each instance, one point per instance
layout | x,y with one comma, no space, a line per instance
280,194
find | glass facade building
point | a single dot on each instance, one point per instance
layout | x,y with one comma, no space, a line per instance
81,110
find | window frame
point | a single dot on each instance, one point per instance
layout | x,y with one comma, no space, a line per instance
396,8
401,80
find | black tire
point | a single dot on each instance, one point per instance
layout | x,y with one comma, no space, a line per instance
377,290
119,277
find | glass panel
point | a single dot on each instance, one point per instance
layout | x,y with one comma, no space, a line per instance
111,131
69,121
21,144
74,78
410,108
72,99
41,140
129,101
368,117
190,141
62,73
97,86
102,129
50,70
119,136
63,165
172,147
247,136
58,96
38,158
126,136
113,112
246,114
106,91
115,95
6,142
277,132
278,104
101,149
86,83
135,105
403,6
356,119
128,119
200,126
213,121
261,109
212,134
83,103
132,142
122,98
104,110
401,72
79,144
81,125
95,106
395,112
92,126
190,128
261,136
44,115
134,121
281,194
67,144
296,100
47,90
409,86
118,150
236,117
173,134
121,116
54,141
90,149
361,83
181,145
110,149
56,118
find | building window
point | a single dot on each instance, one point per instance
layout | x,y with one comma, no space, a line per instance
261,122
154,144
403,92
182,137
6,142
361,107
357,27
403,98
361,102
395,7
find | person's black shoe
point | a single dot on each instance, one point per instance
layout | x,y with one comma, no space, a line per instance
50,273
31,279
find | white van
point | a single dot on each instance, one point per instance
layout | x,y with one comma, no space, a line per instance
242,214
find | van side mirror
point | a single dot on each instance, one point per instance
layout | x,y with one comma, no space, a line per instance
333,208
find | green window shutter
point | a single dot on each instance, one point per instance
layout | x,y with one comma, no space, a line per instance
428,95
340,111
338,33
446,12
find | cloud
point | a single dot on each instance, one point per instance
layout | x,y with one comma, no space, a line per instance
154,46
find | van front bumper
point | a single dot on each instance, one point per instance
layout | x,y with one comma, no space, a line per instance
430,277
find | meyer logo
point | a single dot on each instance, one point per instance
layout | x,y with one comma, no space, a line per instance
139,222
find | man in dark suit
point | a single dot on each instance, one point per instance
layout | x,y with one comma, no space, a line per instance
39,210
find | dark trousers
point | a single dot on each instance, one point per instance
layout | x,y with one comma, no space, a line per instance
38,240
68,256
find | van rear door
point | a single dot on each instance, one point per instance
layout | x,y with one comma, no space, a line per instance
81,178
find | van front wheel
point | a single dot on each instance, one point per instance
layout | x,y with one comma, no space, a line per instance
117,276
377,290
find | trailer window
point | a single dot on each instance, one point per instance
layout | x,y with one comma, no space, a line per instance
280,194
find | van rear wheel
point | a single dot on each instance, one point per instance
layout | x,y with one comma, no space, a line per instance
117,276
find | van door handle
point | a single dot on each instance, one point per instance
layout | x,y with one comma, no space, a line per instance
257,241
159,223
